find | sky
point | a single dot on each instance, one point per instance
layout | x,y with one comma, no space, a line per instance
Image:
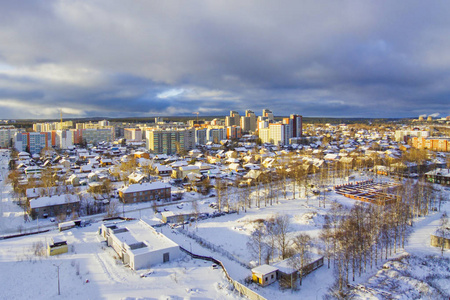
115,58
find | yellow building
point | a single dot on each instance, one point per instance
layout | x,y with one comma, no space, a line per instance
57,246
264,275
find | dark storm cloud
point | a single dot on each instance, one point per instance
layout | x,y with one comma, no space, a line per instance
317,58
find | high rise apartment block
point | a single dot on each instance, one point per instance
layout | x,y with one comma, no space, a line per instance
7,134
250,114
215,135
33,142
266,113
169,141
93,135
49,126
133,134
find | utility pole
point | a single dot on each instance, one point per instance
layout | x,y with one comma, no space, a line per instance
57,268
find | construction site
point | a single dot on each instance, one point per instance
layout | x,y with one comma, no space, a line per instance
369,191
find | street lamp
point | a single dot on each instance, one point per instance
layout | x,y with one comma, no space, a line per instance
57,268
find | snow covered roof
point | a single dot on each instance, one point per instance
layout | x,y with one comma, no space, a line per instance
136,177
439,172
162,168
331,156
232,160
179,163
264,269
53,200
142,232
148,186
189,167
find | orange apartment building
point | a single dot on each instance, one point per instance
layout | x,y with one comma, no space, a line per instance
434,144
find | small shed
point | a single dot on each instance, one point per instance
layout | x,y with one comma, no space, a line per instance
264,274
57,246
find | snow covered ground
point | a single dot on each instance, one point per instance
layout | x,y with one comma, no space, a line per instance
408,277
89,259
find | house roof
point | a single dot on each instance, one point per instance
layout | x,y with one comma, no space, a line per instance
264,269
148,186
53,200
286,267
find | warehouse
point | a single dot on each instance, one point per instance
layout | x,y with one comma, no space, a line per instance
139,245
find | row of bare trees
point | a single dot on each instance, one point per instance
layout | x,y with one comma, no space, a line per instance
359,238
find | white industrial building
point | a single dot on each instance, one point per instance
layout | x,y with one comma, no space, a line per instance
139,245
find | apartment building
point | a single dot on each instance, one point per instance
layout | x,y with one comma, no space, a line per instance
145,192
252,117
93,135
200,136
434,144
278,133
62,139
7,134
169,141
33,142
234,132
133,134
266,113
264,135
403,135
215,135
50,126
296,122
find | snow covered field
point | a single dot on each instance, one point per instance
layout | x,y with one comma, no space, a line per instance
27,276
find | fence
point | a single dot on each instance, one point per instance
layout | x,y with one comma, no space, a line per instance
22,234
204,243
239,287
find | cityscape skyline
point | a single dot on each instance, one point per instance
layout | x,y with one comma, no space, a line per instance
115,59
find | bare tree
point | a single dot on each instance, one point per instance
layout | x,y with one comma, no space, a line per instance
443,231
112,209
301,244
326,236
256,242
282,224
196,211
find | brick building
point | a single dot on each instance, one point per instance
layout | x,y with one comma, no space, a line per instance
145,192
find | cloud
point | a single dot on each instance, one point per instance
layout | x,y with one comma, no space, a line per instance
170,93
113,59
